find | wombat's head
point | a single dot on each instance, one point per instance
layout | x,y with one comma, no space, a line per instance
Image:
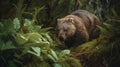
65,28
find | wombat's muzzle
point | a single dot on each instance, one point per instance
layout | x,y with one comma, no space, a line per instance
61,38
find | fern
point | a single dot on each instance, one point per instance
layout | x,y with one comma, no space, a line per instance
36,45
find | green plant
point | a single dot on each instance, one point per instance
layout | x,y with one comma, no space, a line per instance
30,45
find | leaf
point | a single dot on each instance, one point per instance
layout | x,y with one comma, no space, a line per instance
34,37
1,27
37,28
1,44
8,26
44,39
51,57
45,29
57,65
109,27
80,3
54,54
28,25
103,31
114,12
35,51
48,38
44,64
64,53
27,22
8,45
17,61
21,38
16,23
12,64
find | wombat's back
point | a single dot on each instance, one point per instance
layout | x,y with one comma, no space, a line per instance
90,21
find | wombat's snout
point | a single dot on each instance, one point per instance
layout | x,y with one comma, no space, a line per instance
61,36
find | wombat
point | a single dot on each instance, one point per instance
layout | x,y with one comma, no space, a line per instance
78,27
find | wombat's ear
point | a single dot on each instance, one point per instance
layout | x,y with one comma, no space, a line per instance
58,20
71,20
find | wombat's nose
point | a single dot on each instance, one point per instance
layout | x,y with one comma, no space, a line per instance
61,38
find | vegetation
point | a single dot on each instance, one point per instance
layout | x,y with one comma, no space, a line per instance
30,46
27,34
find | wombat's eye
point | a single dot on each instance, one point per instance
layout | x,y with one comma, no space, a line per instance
57,29
65,30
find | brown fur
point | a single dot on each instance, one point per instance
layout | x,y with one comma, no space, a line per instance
78,27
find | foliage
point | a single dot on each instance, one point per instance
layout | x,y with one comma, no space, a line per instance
23,43
103,50
46,12
30,46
